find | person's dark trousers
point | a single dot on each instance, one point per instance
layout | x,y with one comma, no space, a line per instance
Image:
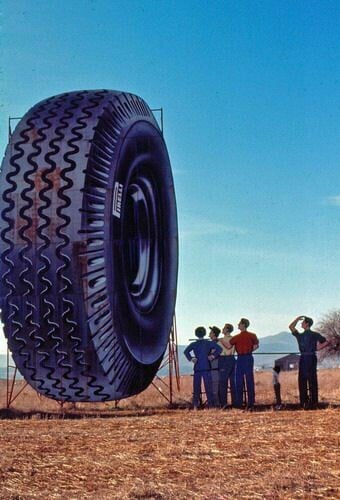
197,387
215,382
226,366
277,390
308,381
245,371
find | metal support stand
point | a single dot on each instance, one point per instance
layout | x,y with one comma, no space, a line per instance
170,360
10,384
167,389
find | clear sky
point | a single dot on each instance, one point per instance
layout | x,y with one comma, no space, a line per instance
251,98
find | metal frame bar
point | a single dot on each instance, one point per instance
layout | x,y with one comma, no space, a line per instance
171,360
10,397
159,110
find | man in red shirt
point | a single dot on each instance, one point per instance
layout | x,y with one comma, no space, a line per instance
245,343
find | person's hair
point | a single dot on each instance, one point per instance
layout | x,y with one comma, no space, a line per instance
309,320
245,322
200,331
277,368
229,327
216,331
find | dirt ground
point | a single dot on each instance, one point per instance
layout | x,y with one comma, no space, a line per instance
143,450
173,455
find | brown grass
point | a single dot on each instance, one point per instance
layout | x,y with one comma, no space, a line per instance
156,453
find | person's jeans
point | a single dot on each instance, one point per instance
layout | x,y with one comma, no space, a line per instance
215,381
277,390
245,374
226,366
206,375
308,381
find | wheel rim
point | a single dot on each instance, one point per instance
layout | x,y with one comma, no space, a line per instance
141,242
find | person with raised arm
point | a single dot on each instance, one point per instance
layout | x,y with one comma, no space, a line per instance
309,342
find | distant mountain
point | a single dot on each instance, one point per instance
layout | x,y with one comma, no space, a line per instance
282,340
277,346
185,366
3,367
3,361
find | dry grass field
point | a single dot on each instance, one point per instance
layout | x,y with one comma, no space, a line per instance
143,450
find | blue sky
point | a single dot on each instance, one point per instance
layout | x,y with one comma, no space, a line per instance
250,91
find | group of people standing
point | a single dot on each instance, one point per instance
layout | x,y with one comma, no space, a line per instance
217,366
215,363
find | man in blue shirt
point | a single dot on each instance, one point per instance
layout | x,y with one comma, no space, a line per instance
201,352
309,342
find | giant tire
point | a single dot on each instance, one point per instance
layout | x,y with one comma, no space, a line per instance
88,246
